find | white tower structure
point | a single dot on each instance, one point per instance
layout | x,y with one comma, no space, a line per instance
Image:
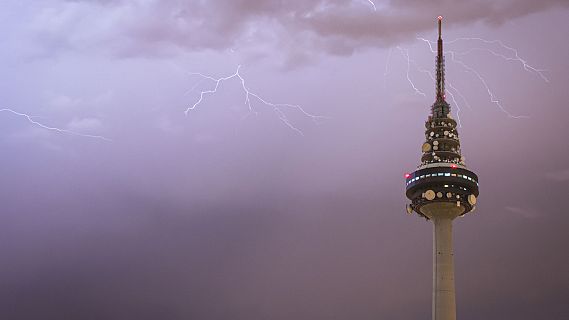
442,189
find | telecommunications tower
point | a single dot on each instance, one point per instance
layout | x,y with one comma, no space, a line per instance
442,189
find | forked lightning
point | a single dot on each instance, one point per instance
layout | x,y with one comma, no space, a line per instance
277,107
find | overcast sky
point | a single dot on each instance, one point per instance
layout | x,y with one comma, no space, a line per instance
116,204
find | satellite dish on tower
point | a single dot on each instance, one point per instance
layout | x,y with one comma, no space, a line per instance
472,199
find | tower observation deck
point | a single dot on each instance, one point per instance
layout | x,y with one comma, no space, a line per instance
441,189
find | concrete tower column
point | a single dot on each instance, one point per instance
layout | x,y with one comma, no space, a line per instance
444,305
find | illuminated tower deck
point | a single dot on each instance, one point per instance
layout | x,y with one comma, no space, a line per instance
442,189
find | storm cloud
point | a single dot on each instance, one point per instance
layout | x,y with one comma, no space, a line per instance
132,28
227,213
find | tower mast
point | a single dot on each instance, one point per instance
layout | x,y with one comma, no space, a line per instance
441,189
440,63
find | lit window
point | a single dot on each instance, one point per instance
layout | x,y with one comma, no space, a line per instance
454,174
447,174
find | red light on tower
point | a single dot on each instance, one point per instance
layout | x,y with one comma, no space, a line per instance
440,17
407,175
454,166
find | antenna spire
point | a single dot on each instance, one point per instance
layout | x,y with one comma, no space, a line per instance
440,18
440,64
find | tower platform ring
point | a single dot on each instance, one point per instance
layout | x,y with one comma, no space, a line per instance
454,186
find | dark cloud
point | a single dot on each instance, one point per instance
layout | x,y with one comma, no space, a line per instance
130,28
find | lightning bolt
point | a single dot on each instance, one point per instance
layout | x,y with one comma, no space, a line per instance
277,107
46,127
460,95
405,53
515,53
458,109
491,95
372,4
431,75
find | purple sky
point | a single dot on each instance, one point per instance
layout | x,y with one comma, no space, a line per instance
228,214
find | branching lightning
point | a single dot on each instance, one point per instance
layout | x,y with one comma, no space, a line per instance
46,127
459,94
432,76
490,93
277,107
516,57
405,53
482,80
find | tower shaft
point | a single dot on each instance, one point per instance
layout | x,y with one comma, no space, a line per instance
444,304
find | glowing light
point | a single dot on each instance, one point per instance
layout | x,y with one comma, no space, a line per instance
46,127
277,107
407,175
454,166
372,4
440,17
